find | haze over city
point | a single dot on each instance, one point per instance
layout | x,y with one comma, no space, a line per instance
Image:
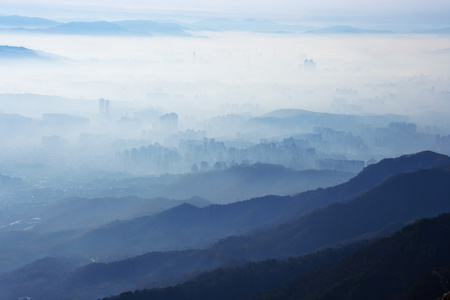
142,144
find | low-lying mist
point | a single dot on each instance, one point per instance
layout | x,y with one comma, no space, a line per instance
175,105
353,73
119,141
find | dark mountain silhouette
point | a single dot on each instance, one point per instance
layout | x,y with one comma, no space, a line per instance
242,281
374,174
433,283
60,276
386,269
397,201
368,178
187,226
384,209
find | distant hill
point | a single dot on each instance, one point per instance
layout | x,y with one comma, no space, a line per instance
248,181
10,53
181,227
25,22
120,28
65,221
148,27
232,184
89,28
223,24
397,201
344,29
82,213
306,121
153,28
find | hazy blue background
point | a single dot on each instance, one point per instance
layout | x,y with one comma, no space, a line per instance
402,13
121,122
387,71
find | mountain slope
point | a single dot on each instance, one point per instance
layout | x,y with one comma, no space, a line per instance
385,269
222,186
191,227
243,281
181,227
82,213
256,180
384,209
368,178
430,285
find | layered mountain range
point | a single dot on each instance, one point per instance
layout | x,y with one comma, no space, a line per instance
383,198
175,28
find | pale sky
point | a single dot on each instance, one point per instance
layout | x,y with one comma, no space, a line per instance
372,12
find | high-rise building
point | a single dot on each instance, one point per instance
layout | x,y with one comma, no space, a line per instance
169,122
309,65
101,106
106,107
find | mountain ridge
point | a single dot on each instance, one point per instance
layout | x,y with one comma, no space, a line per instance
384,269
335,225
202,227
22,53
